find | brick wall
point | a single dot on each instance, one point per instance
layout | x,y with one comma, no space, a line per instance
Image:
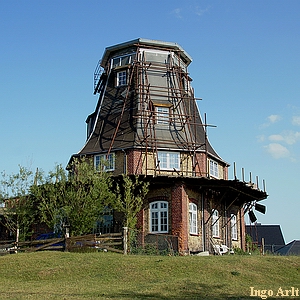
134,161
179,212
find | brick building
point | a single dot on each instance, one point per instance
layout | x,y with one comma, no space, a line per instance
146,122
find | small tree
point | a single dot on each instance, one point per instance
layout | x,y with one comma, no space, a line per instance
131,192
18,211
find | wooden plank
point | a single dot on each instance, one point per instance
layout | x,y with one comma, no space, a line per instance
108,239
110,235
109,244
54,241
114,250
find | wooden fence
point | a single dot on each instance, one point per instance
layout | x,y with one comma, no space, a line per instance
115,242
107,242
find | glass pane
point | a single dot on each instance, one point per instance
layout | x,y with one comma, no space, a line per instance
157,57
174,160
115,62
125,60
154,206
163,160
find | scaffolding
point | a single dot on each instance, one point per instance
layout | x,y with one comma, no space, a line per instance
184,125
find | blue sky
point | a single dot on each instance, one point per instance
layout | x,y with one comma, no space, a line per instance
245,67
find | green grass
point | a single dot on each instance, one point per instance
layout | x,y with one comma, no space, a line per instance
58,275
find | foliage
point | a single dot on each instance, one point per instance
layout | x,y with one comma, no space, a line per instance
250,246
131,191
150,249
75,199
18,211
239,251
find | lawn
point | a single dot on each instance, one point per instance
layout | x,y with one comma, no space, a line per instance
63,275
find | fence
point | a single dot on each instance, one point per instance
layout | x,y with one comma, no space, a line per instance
108,242
115,242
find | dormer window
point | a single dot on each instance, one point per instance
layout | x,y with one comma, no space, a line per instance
162,114
123,60
121,78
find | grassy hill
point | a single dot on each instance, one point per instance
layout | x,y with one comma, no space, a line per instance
58,275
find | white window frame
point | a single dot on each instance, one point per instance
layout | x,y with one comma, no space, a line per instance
104,162
162,114
215,224
118,61
233,222
193,218
167,160
121,78
213,168
159,217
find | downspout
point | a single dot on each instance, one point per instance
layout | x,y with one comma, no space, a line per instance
203,223
228,244
124,162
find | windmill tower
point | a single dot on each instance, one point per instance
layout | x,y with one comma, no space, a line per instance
147,110
147,122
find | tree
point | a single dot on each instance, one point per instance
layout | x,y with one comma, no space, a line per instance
77,197
131,193
18,211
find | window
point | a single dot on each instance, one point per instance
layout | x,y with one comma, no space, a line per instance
193,218
233,227
162,115
123,60
121,78
215,223
168,160
213,168
159,217
105,162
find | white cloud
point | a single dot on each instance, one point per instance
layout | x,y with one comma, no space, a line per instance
277,151
271,120
296,120
276,138
289,137
261,138
292,137
177,12
201,12
274,118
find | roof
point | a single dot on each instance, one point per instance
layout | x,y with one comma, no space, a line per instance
272,234
292,248
228,190
145,42
119,122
